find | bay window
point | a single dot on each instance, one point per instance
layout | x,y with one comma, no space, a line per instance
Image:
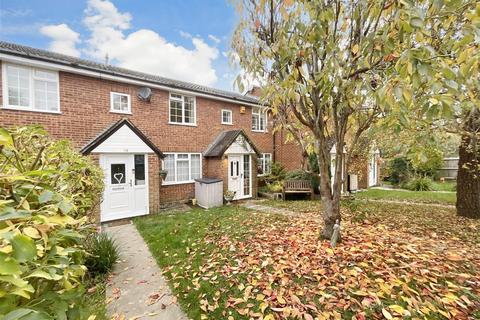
182,167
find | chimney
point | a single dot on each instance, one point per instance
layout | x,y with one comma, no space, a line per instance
255,91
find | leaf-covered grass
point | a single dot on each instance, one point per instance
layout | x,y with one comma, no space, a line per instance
409,196
395,260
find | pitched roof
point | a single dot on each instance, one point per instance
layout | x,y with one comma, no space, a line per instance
48,56
105,134
225,140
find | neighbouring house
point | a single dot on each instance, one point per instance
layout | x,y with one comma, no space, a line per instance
136,125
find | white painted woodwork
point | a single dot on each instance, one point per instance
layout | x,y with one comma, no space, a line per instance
124,140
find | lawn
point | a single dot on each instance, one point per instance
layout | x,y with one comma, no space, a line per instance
410,196
394,261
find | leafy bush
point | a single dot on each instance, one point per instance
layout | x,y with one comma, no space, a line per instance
102,253
277,173
420,184
400,170
46,190
300,174
427,162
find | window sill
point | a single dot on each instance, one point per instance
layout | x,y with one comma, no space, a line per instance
260,131
228,124
30,110
183,124
177,183
120,112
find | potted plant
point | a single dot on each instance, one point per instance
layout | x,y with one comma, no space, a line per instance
229,195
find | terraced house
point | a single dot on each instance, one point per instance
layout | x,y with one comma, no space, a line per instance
136,125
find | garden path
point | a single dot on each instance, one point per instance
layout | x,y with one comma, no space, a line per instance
137,289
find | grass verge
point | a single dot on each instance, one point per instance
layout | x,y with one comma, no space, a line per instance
448,198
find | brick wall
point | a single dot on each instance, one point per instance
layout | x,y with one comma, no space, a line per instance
289,154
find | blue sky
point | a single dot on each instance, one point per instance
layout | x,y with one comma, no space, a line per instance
185,40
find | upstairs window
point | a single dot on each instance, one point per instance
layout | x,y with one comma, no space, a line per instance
32,89
182,167
227,117
120,102
259,119
264,164
182,109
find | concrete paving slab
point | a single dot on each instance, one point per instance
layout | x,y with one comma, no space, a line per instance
137,289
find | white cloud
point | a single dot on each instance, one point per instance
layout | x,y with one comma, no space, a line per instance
214,39
64,39
184,34
145,50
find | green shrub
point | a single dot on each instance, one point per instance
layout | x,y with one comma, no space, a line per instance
400,170
102,253
420,184
300,174
46,190
277,173
427,162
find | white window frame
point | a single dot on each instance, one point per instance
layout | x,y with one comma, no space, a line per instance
262,114
263,163
129,102
183,123
5,104
169,183
231,116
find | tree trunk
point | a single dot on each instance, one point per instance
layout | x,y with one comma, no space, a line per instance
468,178
331,205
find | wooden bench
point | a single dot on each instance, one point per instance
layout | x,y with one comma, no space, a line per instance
297,186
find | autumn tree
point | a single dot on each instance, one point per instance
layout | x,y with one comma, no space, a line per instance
330,62
438,87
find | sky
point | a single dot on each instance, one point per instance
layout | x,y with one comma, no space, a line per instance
183,40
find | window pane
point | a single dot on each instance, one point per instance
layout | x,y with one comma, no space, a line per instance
18,82
117,171
176,111
47,75
139,169
255,125
226,116
267,162
196,169
246,174
183,172
189,110
169,165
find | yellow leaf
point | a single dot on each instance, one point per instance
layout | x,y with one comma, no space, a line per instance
355,49
397,308
31,232
387,314
269,317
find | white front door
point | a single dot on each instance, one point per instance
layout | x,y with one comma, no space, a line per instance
240,175
126,186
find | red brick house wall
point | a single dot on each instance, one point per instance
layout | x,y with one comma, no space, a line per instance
85,112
